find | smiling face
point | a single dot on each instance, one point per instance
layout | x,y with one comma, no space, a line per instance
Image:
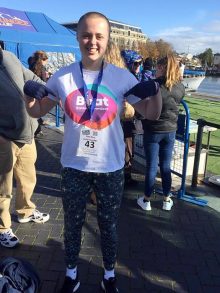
93,37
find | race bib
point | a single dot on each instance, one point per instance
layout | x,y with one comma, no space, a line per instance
88,142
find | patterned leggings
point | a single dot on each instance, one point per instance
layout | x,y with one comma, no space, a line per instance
76,186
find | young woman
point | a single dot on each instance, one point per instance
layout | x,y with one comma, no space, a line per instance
159,136
92,156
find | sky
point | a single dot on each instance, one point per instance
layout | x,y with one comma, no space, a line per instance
191,26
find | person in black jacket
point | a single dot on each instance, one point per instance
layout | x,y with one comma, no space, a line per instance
159,135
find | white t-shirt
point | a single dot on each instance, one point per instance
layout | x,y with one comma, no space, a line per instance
67,83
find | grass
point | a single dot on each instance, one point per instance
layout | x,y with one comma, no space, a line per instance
210,111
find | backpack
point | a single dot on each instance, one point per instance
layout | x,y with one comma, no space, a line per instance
18,276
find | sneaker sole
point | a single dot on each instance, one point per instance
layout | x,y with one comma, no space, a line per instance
10,246
148,209
76,287
27,220
103,286
165,209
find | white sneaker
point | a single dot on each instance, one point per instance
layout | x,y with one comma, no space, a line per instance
36,217
8,239
167,205
145,205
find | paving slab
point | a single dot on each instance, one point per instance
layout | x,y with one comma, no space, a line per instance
159,251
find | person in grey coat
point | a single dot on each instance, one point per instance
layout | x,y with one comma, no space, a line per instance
17,148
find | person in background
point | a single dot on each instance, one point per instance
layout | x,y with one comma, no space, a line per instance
159,136
17,148
182,68
2,45
37,63
147,73
133,63
113,55
92,93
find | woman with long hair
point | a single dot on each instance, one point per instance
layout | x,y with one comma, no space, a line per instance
113,55
159,135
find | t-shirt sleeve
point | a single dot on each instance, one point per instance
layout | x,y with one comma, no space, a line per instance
52,84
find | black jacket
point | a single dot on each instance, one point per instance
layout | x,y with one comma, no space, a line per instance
18,276
167,121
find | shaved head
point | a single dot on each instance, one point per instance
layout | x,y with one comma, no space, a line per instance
93,14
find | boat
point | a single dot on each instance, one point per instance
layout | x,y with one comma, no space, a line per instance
192,79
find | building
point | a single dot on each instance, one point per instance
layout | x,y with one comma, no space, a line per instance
215,70
125,35
216,61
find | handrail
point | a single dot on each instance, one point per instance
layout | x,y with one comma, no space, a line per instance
186,146
56,115
201,124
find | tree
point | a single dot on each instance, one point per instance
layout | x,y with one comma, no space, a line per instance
163,47
148,49
152,50
206,57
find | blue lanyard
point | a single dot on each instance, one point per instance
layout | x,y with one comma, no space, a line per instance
91,107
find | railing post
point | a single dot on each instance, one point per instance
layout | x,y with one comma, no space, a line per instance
57,116
201,124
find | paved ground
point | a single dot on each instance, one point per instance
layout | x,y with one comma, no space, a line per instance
177,251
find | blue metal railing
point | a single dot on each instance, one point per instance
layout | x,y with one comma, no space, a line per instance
183,135
57,115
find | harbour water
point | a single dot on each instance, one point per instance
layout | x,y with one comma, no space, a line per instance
210,86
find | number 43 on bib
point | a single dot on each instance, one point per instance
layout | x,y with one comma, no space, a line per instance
88,143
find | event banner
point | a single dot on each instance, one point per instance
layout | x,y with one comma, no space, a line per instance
15,19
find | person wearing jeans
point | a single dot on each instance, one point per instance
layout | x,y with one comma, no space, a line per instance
159,135
158,145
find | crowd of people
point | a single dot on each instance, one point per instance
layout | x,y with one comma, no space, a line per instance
94,103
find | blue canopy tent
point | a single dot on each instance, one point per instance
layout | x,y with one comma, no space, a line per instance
25,32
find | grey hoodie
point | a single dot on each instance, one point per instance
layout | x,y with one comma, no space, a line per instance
15,123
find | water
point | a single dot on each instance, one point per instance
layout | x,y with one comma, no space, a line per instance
210,85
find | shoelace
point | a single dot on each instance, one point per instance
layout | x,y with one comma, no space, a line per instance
38,215
9,233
